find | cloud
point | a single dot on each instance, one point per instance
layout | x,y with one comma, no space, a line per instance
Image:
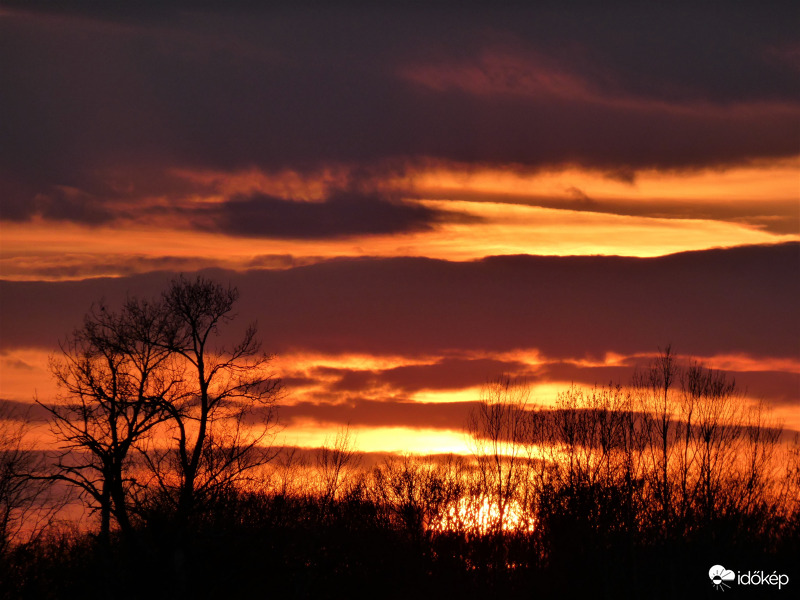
27,412
341,214
82,266
735,301
777,216
451,373
58,202
778,388
391,413
616,89
705,302
444,374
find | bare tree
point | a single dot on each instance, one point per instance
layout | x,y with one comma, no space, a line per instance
289,472
24,506
654,389
408,489
717,430
222,420
113,374
757,483
500,428
335,460
789,494
151,406
588,438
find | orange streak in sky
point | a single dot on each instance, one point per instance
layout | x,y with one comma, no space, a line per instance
35,251
776,181
560,212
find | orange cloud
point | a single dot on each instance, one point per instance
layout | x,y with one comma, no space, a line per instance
53,251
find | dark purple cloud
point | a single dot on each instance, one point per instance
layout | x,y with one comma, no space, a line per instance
28,412
89,91
458,373
342,213
445,374
775,387
740,300
389,413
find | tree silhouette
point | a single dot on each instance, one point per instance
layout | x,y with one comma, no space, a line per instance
654,389
24,507
221,419
152,412
114,374
335,460
500,427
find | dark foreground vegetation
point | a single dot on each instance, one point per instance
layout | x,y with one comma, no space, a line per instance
583,515
382,538
615,492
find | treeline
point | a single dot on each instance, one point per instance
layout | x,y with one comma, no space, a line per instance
617,491
603,494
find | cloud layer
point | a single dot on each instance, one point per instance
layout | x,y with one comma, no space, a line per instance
99,103
378,183
741,300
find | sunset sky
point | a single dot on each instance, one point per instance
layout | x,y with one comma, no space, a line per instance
412,201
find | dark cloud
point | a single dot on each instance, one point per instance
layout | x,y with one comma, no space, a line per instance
437,415
740,300
81,266
22,200
77,265
460,373
445,374
586,375
776,387
27,412
341,214
615,88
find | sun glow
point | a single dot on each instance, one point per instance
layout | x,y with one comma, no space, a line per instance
482,514
404,440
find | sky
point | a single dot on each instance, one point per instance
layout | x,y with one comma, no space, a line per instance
412,200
